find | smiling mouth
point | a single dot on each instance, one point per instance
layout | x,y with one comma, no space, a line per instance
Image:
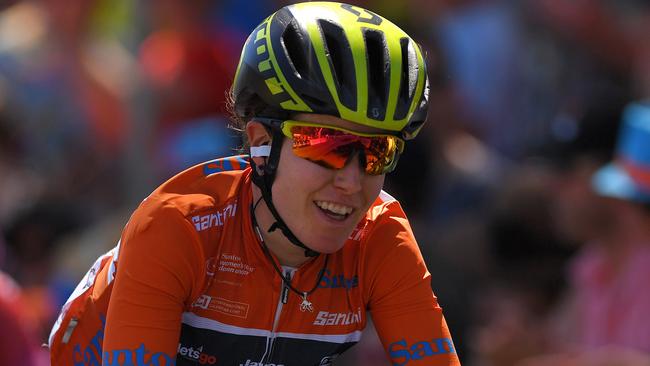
334,210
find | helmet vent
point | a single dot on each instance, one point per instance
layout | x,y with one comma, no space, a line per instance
408,80
294,45
319,103
378,71
341,62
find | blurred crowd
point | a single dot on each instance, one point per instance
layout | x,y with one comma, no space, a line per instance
538,257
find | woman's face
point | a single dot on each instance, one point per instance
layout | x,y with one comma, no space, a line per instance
322,206
579,214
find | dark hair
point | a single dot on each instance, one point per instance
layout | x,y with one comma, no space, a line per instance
646,208
237,123
253,107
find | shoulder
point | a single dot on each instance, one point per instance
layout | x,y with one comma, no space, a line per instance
386,214
389,256
166,240
202,187
384,229
196,199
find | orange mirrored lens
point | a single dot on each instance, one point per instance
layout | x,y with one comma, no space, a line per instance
332,148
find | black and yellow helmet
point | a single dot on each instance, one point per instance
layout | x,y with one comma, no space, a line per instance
336,59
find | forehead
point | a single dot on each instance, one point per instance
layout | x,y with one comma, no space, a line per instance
330,120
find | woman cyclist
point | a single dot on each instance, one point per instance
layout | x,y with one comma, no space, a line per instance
278,257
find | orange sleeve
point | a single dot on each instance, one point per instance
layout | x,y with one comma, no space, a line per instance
158,274
406,314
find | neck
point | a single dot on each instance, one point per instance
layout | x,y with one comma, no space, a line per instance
287,253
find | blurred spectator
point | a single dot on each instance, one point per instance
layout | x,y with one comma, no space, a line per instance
611,38
240,20
61,88
611,293
62,130
604,310
18,343
509,79
610,30
188,63
512,85
481,40
32,239
19,187
523,280
32,236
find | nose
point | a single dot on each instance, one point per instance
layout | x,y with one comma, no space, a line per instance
348,179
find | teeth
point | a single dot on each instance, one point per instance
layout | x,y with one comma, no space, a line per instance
334,207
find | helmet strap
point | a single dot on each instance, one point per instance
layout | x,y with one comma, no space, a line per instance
265,181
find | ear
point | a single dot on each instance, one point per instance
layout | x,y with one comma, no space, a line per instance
257,136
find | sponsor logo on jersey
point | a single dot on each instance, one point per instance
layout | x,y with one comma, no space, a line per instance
230,263
225,164
221,305
196,354
338,281
401,353
90,354
134,357
209,220
327,360
357,233
253,363
327,318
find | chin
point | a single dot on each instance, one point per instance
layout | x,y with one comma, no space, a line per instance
329,244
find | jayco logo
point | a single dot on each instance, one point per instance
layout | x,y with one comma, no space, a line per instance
196,354
400,353
253,363
204,222
338,281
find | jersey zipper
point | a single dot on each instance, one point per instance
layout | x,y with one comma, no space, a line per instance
284,296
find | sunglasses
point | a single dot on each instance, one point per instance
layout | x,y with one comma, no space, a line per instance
332,147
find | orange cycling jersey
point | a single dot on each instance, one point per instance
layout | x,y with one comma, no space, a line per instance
193,286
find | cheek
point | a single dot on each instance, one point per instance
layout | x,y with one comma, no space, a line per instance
372,186
296,177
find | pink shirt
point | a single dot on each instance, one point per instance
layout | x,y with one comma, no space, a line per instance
17,344
613,309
